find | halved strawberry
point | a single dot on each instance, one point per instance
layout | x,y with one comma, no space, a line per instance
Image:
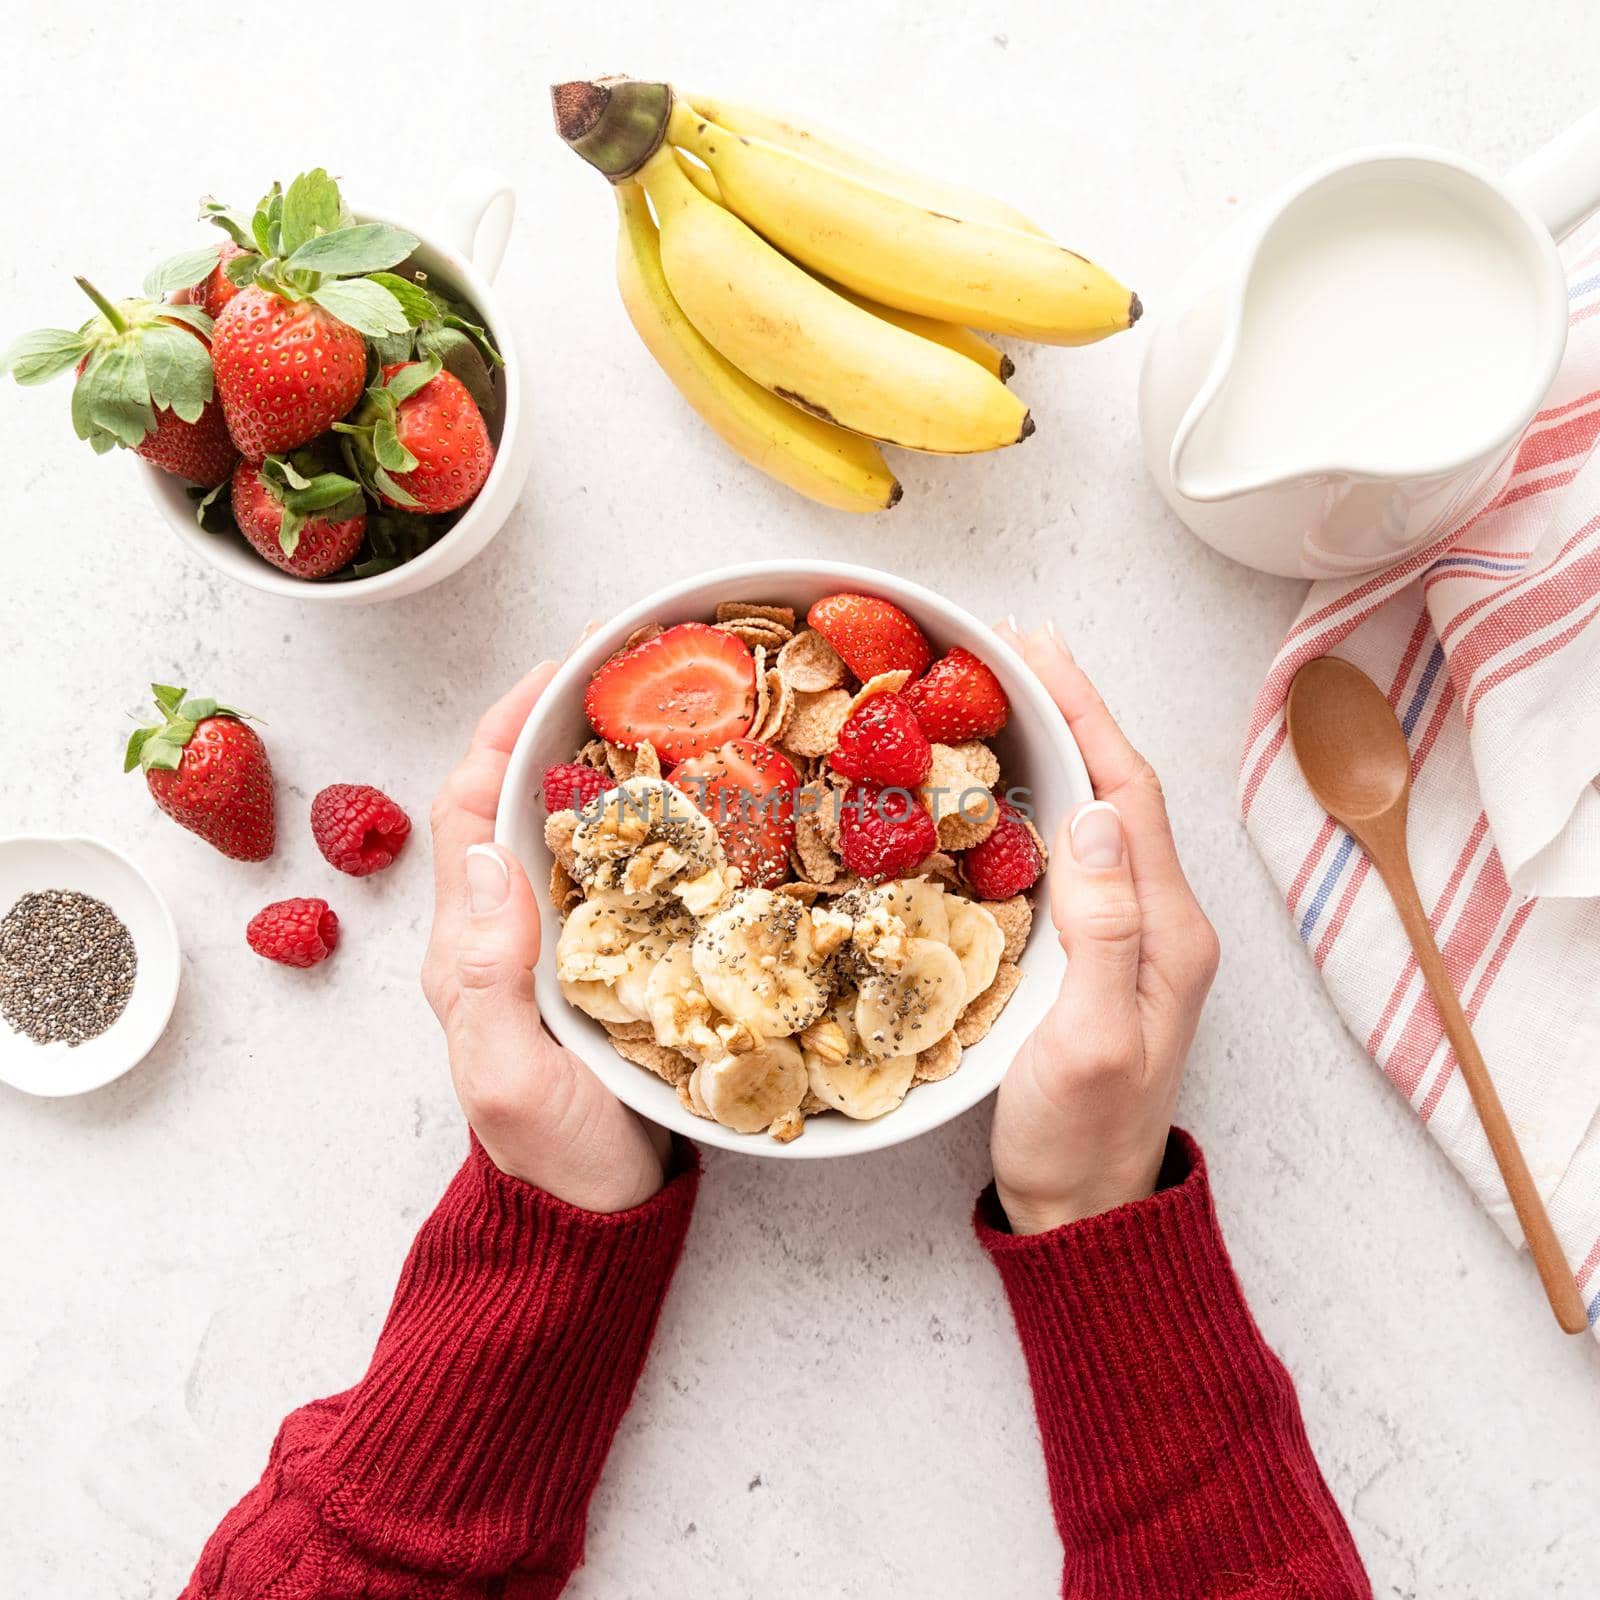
872,635
882,742
958,698
747,789
686,691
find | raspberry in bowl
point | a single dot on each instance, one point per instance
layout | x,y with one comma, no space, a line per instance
761,930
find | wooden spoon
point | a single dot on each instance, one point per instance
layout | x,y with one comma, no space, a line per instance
1353,752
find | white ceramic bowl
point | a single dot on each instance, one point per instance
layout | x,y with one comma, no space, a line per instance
1035,748
28,865
461,252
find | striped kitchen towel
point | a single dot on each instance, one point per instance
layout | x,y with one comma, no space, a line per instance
1488,643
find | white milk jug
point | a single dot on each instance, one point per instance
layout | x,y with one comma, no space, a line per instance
1352,369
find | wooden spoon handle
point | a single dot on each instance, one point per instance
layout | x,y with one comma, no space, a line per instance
1554,1273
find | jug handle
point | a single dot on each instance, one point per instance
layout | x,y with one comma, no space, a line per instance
1561,182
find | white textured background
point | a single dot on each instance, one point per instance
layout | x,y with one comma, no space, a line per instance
835,1404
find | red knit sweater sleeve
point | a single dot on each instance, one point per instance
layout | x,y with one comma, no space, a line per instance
1178,1464
462,1464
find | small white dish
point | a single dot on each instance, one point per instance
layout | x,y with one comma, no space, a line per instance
31,864
1036,750
460,252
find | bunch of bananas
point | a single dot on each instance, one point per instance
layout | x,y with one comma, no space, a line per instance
811,299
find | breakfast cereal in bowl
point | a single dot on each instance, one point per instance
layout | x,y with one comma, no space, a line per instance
792,877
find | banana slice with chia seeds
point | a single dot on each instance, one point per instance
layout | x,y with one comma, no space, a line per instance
901,1012
750,1092
841,1073
920,904
978,942
645,841
605,955
758,963
677,1007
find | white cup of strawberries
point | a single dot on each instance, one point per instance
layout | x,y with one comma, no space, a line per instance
315,392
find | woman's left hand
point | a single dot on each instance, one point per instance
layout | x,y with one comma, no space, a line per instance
539,1113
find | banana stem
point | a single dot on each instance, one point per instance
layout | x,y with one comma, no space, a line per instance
615,124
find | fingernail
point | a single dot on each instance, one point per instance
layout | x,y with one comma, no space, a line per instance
1011,623
488,882
1097,836
584,633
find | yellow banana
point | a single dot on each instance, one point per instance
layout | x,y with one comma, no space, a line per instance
796,337
825,463
843,155
903,254
949,334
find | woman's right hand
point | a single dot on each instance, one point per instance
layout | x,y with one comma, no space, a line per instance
1082,1118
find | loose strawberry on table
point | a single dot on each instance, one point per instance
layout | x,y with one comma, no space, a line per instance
294,933
686,691
143,382
871,635
748,790
358,829
302,517
958,698
209,771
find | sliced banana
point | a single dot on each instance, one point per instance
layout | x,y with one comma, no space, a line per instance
749,1092
841,1073
978,942
920,905
644,841
677,1006
606,953
900,1013
758,963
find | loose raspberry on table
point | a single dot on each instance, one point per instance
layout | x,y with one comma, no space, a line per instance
298,933
358,829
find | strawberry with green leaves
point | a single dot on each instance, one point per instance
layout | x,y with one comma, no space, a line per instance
419,441
289,348
209,771
144,383
302,517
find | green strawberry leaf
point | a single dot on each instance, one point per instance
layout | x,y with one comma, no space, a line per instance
394,491
266,225
116,392
391,349
85,426
418,303
368,307
411,379
289,530
281,472
236,227
197,710
178,368
367,247
478,335
167,697
191,316
211,512
459,355
241,270
160,752
386,446
326,490
310,208
43,354
136,742
181,271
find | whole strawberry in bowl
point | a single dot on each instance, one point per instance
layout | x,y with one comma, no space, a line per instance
795,981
